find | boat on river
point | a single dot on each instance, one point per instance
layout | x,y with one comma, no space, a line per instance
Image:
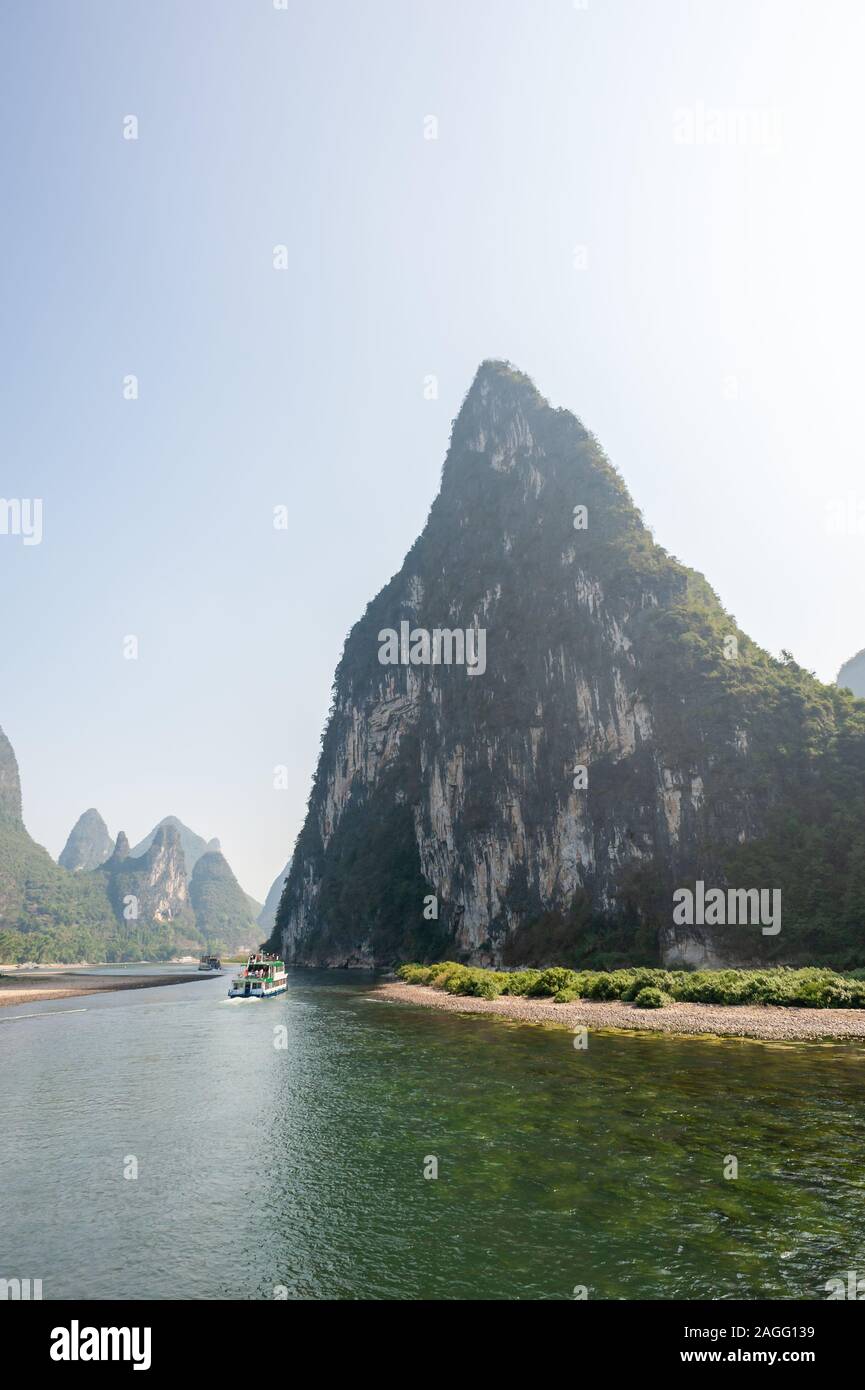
261,977
210,963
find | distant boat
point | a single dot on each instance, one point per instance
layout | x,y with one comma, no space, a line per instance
210,963
262,976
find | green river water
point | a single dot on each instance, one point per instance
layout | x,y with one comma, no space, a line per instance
267,1171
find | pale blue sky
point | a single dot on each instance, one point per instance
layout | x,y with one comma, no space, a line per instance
712,342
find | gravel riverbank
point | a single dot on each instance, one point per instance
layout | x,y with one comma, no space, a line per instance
32,989
736,1020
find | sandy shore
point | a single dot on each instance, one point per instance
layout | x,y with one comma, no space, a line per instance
32,989
736,1020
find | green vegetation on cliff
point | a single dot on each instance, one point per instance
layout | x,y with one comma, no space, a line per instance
707,757
223,913
46,913
129,908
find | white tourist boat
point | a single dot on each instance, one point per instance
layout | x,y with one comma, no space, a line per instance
261,977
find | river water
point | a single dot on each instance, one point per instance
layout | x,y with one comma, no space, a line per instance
297,1171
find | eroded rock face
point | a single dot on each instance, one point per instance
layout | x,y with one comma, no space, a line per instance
852,675
267,916
193,845
89,844
155,882
602,653
10,782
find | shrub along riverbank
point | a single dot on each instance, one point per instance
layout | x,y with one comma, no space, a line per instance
651,988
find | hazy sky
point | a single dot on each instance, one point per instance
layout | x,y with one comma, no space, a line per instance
655,209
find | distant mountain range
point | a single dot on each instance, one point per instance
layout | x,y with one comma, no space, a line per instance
173,894
46,912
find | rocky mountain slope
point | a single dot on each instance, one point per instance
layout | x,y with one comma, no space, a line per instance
223,912
10,783
852,675
89,844
149,892
117,905
64,917
267,916
619,736
193,845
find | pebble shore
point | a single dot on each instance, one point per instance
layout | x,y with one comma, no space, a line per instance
768,1022
33,989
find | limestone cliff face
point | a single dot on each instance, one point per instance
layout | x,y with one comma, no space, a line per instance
267,916
10,783
89,844
151,887
194,846
600,652
852,674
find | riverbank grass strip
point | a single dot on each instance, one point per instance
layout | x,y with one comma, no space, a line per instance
811,987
